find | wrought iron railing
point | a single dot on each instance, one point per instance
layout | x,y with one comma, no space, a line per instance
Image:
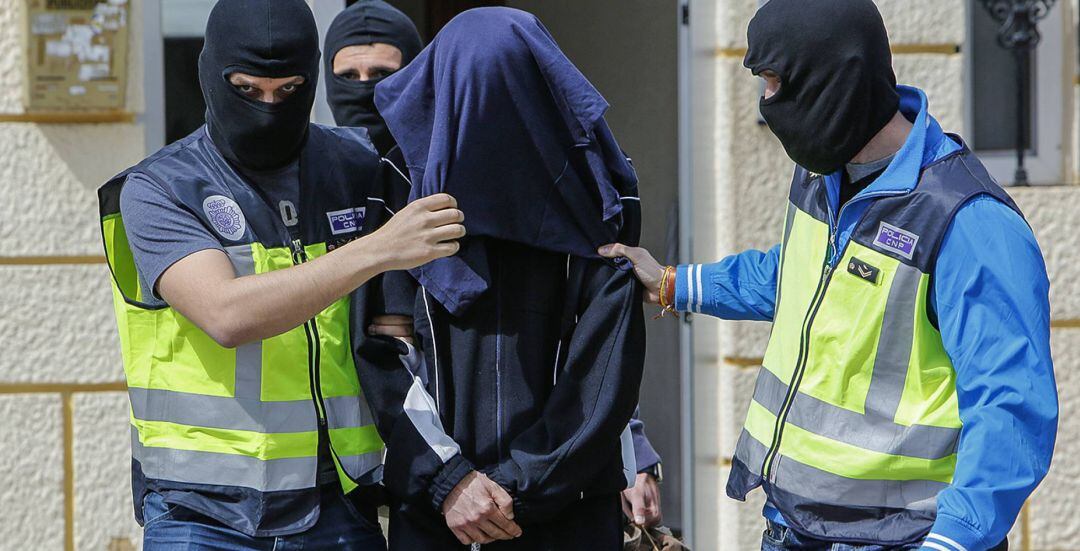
1019,32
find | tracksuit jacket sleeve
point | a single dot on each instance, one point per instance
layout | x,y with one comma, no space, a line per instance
739,287
423,464
994,314
644,452
571,446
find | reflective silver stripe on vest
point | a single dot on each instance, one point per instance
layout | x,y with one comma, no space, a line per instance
788,222
346,412
894,348
248,356
359,465
750,453
870,432
827,488
235,414
223,469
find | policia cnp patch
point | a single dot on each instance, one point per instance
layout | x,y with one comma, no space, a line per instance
862,270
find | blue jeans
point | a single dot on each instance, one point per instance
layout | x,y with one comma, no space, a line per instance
781,538
340,526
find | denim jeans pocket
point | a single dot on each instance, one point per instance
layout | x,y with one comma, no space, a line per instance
156,509
774,537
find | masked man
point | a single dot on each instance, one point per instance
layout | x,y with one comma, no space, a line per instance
233,252
907,396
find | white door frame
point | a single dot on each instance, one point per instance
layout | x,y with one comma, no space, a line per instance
153,54
1045,163
683,19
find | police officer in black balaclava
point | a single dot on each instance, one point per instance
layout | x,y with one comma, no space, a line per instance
836,90
881,194
256,246
250,132
367,42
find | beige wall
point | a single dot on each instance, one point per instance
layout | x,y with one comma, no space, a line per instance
65,482
743,209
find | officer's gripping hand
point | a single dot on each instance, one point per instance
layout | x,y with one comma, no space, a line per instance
424,230
399,327
646,268
480,511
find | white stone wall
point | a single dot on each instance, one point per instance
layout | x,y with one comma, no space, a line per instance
743,183
64,441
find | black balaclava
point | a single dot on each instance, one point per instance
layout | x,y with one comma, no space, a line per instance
837,87
366,22
263,38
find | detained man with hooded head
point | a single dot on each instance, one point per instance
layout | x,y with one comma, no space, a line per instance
234,252
907,396
507,423
366,43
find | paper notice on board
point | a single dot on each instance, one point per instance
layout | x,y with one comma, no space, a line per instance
93,71
77,54
48,23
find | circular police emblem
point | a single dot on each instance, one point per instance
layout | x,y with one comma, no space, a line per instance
225,216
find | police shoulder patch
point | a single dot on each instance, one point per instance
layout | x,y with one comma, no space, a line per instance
894,239
225,216
346,220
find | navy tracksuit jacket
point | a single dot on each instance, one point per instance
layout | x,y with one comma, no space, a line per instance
534,385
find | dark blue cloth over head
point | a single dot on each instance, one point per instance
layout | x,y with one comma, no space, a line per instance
493,113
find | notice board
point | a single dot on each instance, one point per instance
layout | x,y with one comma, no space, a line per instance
76,55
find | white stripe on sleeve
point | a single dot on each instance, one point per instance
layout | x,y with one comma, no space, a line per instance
948,541
420,409
698,293
935,546
690,287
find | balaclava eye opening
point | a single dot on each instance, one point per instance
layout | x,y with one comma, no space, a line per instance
351,101
261,38
837,87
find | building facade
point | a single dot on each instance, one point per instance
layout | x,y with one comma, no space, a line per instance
64,440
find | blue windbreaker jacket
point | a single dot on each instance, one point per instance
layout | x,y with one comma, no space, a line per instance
990,295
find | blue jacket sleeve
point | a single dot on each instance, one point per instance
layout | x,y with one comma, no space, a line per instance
991,299
739,287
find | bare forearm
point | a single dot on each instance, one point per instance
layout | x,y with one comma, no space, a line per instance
264,305
236,310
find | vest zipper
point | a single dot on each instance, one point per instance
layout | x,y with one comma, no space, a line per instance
800,369
769,462
311,331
